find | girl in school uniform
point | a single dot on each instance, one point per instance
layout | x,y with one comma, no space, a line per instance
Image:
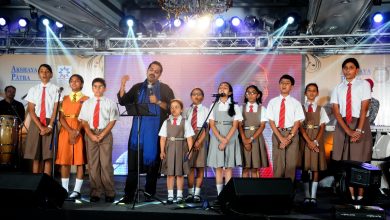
251,130
71,149
311,143
197,114
224,150
352,137
176,139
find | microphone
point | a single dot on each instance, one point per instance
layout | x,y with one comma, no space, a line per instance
218,95
150,88
23,97
60,89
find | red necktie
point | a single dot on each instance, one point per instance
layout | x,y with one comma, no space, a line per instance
96,114
310,108
42,115
282,113
349,104
174,121
194,118
251,108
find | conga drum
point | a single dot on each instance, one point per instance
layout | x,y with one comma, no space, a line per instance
8,139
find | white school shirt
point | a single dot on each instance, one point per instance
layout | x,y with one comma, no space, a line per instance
293,110
224,107
34,96
263,116
361,91
108,112
200,116
188,131
323,116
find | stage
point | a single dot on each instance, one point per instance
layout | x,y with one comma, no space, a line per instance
83,209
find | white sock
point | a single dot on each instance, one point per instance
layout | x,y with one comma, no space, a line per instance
359,198
219,188
314,190
65,183
77,186
190,191
170,193
306,187
197,191
179,193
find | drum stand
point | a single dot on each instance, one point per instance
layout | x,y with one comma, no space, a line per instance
20,137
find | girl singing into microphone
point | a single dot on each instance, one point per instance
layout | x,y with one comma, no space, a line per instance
224,150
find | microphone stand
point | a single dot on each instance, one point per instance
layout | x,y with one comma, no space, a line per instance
205,204
53,145
19,133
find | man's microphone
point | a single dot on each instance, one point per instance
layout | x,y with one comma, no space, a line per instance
150,88
218,95
23,97
60,89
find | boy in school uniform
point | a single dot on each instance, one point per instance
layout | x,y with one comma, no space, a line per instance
285,114
99,115
42,101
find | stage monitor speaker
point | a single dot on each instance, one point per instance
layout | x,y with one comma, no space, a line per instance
259,195
30,190
358,212
362,174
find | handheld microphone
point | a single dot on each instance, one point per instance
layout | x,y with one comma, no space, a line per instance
60,89
218,95
150,88
23,97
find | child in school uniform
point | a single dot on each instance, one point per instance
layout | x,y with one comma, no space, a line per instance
98,115
285,115
42,103
312,143
197,114
71,149
224,150
175,140
352,138
251,130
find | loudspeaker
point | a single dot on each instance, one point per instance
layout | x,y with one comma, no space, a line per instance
30,190
362,174
260,195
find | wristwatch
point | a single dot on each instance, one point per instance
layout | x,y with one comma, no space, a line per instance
292,134
359,130
252,139
159,102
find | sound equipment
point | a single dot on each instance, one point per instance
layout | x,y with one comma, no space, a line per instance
260,195
358,212
362,174
30,190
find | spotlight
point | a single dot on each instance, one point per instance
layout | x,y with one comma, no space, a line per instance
128,22
251,22
219,22
22,22
270,22
59,24
191,23
204,22
3,21
235,21
177,22
290,20
378,17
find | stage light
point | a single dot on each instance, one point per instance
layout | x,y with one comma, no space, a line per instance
22,22
191,23
290,20
46,22
130,22
270,22
204,22
235,21
378,17
59,24
219,22
251,22
127,23
177,22
157,27
3,22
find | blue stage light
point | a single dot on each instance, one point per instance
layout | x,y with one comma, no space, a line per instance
219,22
23,22
59,24
235,21
378,17
290,20
3,22
177,22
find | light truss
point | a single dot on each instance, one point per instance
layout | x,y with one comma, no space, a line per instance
354,43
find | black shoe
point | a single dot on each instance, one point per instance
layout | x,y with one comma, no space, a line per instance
170,201
125,200
75,195
110,199
94,199
313,202
189,198
197,199
179,200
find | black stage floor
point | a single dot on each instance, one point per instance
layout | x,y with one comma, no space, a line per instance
83,209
